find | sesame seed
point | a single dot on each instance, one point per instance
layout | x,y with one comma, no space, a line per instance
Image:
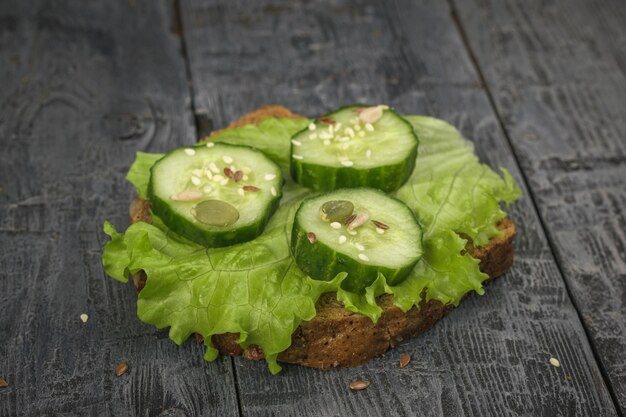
197,172
359,246
190,152
273,191
555,362
224,181
269,177
227,159
342,239
297,156
326,142
368,126
195,180
210,144
312,126
335,225
214,168
240,192
363,257
217,178
362,133
313,136
207,189
380,231
347,163
296,142
84,317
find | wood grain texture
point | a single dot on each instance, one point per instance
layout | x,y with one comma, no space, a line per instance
557,73
83,86
490,356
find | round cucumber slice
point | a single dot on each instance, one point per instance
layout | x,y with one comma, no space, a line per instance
381,235
355,146
215,194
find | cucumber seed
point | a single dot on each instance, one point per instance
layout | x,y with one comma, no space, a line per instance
227,159
273,191
363,257
210,144
359,246
214,168
380,231
190,152
335,225
269,177
369,127
296,142
312,126
297,156
342,239
195,180
347,163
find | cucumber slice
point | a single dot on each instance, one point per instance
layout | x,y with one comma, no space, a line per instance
381,235
215,194
355,146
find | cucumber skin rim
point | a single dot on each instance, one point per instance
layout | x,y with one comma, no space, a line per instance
308,174
322,263
212,238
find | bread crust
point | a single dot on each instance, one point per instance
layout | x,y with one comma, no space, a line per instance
336,337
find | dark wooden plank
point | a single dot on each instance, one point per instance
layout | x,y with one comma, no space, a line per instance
83,86
557,75
490,357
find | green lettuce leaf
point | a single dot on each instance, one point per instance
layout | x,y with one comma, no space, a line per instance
255,289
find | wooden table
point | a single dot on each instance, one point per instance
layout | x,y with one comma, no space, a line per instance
539,86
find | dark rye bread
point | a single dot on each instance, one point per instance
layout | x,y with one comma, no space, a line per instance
336,337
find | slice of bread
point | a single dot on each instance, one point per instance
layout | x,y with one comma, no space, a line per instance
336,337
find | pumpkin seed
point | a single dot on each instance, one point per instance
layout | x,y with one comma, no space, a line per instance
215,213
336,210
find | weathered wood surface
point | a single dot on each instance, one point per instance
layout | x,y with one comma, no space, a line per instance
83,86
490,357
557,73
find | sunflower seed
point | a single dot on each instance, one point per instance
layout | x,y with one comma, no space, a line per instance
358,221
359,385
215,213
186,196
371,114
312,238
